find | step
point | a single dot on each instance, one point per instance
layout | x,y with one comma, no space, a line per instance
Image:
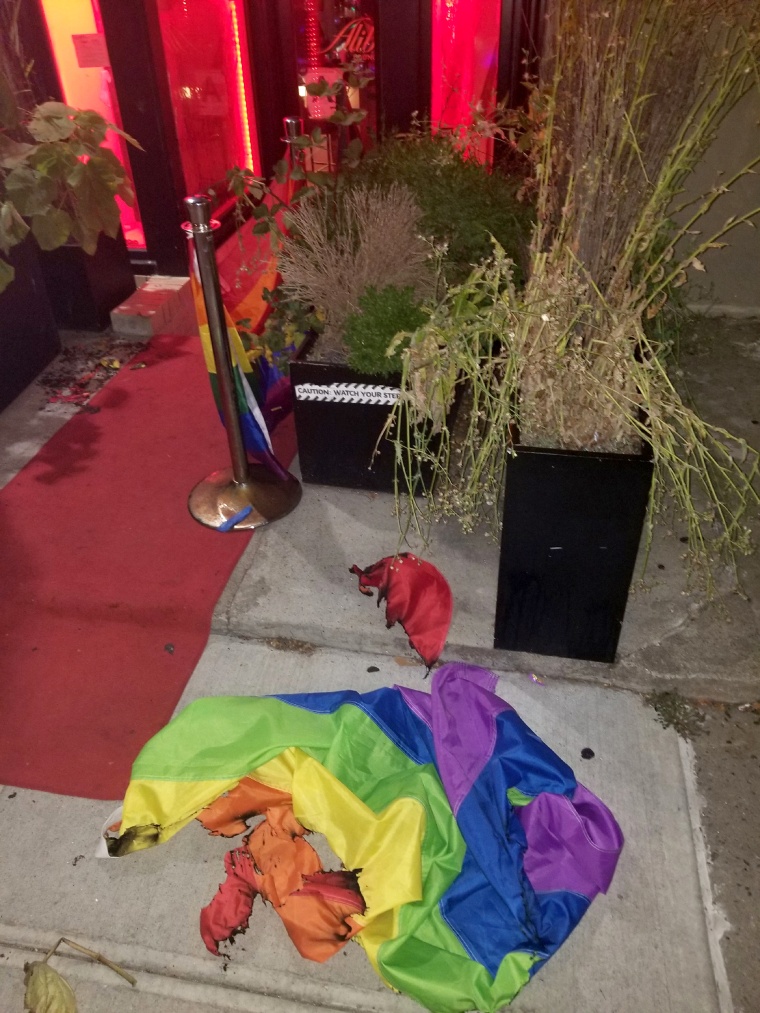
150,310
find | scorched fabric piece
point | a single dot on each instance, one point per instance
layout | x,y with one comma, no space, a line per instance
417,595
278,865
477,852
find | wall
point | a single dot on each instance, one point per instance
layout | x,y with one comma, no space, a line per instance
731,282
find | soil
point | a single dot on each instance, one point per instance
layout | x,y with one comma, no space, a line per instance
728,769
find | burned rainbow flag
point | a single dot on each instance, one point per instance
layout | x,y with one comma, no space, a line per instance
470,848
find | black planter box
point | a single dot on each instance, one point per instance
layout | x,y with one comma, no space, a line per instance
339,416
572,525
83,288
28,333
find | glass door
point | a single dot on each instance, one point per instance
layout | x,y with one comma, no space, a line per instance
81,56
207,63
465,62
334,37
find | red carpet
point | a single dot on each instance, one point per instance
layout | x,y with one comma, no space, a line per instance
108,585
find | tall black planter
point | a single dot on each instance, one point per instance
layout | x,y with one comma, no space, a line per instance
83,288
339,416
28,333
572,526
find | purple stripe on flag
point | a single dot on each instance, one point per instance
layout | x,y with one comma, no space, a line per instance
572,844
464,710
419,703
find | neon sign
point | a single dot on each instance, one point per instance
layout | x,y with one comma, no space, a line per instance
357,38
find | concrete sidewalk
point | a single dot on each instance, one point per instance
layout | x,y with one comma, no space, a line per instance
291,619
294,583
643,947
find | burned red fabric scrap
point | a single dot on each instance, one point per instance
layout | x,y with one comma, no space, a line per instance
232,905
417,595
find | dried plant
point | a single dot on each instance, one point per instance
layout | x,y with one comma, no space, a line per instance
345,242
637,90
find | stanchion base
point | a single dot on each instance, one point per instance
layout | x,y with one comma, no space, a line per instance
219,498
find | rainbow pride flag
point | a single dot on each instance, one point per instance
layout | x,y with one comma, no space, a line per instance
476,850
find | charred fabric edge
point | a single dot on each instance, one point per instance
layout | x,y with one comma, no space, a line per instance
418,597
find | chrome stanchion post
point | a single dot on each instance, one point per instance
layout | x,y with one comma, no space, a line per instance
199,209
293,129
245,495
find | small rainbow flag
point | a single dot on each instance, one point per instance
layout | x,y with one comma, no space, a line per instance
251,383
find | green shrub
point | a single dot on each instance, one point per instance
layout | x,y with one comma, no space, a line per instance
384,313
463,204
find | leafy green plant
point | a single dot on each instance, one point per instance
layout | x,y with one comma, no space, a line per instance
269,208
331,259
383,314
289,323
269,203
636,93
57,180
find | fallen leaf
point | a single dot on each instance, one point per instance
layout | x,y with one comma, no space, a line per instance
46,990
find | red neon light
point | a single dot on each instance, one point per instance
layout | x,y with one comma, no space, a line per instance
312,34
465,60
245,128
206,51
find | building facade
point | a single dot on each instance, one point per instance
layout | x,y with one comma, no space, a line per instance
203,85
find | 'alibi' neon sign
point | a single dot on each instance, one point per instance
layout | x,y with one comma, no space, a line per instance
357,38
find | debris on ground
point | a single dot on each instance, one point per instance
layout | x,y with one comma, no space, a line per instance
416,595
47,991
288,644
81,369
675,711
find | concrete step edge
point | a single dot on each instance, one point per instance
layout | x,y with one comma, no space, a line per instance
736,685
192,979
